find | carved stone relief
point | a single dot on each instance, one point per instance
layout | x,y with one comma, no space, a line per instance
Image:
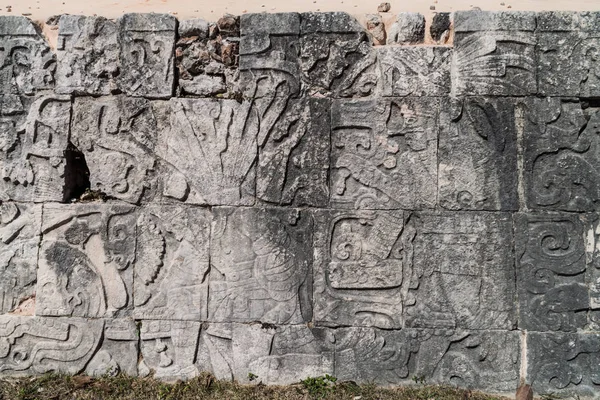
85,262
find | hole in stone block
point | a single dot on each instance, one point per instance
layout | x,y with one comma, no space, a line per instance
77,174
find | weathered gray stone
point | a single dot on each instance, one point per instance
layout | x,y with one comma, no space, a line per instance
293,157
564,364
567,52
440,27
37,345
88,55
384,153
260,266
557,275
416,71
118,136
362,268
171,263
193,27
376,28
208,154
85,261
478,154
494,54
147,42
409,28
168,349
32,147
20,228
463,273
562,155
337,56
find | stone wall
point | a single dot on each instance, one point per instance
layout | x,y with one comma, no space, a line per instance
275,195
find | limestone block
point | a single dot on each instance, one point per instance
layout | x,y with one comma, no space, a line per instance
440,27
464,273
409,28
208,153
376,28
337,56
261,261
384,153
494,53
562,155
118,136
32,147
564,364
362,268
293,157
478,154
567,50
28,64
146,52
269,57
20,226
417,71
168,349
85,262
171,263
88,55
557,275
38,345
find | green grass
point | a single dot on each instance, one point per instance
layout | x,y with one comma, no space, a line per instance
58,387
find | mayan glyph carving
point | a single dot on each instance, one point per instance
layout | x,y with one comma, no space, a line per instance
494,53
293,156
260,266
464,272
363,268
558,272
384,153
20,226
88,55
416,71
118,135
146,54
172,263
568,54
561,147
478,154
85,263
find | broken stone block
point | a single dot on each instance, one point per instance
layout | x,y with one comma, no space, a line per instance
337,56
261,262
556,275
85,262
376,28
362,268
463,272
494,53
440,27
193,27
269,64
563,364
416,71
147,42
208,154
562,155
384,153
478,154
118,135
119,351
172,261
88,55
168,349
567,46
293,157
20,228
409,28
32,150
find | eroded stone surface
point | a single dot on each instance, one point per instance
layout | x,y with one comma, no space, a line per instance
409,28
171,263
478,155
85,263
261,263
384,153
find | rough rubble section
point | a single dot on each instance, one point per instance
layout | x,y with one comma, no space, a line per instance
276,196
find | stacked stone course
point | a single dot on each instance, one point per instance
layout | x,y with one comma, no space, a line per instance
282,198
